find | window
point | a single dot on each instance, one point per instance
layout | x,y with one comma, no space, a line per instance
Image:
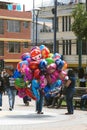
66,23
84,47
1,48
25,24
1,26
67,47
25,44
13,26
14,47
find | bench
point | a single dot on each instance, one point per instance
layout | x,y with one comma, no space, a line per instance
77,96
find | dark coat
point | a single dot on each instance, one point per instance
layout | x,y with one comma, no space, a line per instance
1,85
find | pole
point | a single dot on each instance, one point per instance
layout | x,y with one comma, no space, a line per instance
33,21
55,16
86,43
80,52
86,5
36,29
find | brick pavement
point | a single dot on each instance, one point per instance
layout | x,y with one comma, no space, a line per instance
25,118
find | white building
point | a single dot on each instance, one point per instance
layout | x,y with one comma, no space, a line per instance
65,38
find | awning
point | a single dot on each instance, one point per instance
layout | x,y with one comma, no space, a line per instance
15,39
12,60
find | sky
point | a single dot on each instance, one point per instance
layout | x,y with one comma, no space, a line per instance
37,3
29,3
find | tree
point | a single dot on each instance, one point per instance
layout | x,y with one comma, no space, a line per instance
79,26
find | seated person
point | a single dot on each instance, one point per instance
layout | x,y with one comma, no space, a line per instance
52,92
83,103
57,99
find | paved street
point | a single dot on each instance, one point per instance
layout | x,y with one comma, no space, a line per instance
25,118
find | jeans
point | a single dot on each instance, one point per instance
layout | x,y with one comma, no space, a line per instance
39,103
69,100
0,99
11,96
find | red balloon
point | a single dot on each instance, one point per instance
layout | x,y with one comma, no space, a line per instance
37,74
18,66
33,65
30,94
35,54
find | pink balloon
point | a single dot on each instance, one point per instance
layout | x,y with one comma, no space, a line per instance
54,78
51,68
28,74
21,92
56,73
62,75
43,81
23,68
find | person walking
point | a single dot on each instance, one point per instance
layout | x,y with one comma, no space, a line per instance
1,91
70,90
10,87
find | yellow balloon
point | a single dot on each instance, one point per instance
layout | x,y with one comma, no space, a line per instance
65,66
51,55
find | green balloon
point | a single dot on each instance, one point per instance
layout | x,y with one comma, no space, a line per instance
20,83
50,61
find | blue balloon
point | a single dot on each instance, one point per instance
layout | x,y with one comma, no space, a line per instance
47,89
58,83
25,62
35,87
26,57
56,55
59,63
35,84
42,47
43,65
17,74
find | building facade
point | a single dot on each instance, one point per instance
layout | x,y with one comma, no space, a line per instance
15,34
66,40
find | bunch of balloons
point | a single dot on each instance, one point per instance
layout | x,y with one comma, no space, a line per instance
39,69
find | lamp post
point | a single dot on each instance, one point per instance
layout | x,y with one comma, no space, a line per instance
80,52
33,20
86,42
86,5
55,16
36,11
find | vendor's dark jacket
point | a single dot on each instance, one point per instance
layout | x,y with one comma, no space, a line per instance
1,85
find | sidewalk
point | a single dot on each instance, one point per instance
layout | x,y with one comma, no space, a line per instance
25,118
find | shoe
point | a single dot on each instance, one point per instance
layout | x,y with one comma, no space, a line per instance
40,112
10,109
51,106
27,104
57,107
68,113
